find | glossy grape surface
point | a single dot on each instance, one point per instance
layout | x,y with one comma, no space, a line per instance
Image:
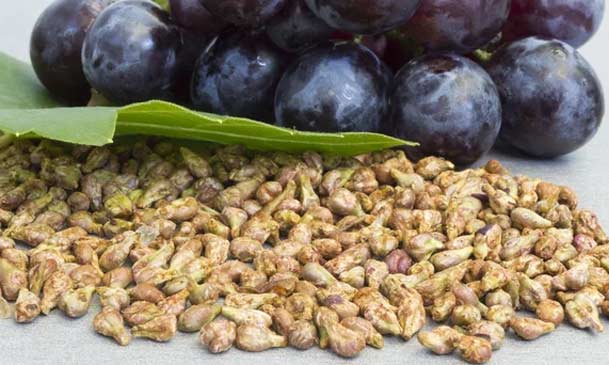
376,43
190,14
457,25
56,45
364,16
552,99
193,45
249,13
296,28
238,76
130,52
571,21
334,88
449,105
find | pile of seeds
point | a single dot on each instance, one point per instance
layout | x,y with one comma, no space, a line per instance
263,250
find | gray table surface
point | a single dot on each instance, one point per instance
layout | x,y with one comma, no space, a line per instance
57,340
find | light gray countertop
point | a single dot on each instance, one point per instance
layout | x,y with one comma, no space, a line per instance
58,340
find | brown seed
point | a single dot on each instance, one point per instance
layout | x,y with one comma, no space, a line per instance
474,349
254,338
109,322
76,302
146,292
364,327
441,340
303,335
219,335
56,285
550,311
161,329
489,330
27,307
244,316
197,316
361,246
5,308
582,312
118,278
530,328
117,298
140,312
86,275
465,315
11,279
500,314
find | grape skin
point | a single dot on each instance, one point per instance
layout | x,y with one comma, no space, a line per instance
457,26
130,53
56,45
552,100
364,16
245,13
238,76
190,14
296,28
193,45
334,88
571,21
449,105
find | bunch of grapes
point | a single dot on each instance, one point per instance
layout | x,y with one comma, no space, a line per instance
453,75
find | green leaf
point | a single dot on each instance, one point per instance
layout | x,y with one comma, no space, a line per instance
170,120
19,87
27,110
91,126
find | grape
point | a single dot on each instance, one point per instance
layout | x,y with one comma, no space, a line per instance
571,21
56,45
130,52
238,76
364,16
449,105
296,28
552,100
250,13
459,26
334,88
193,45
376,43
190,14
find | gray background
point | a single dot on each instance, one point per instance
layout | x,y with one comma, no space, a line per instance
55,339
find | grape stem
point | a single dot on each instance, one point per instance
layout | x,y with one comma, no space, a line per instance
482,56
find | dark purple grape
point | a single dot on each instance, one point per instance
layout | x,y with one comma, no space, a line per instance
193,45
457,26
571,21
131,52
248,13
190,14
238,76
296,28
334,88
449,105
552,100
364,16
376,43
56,45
